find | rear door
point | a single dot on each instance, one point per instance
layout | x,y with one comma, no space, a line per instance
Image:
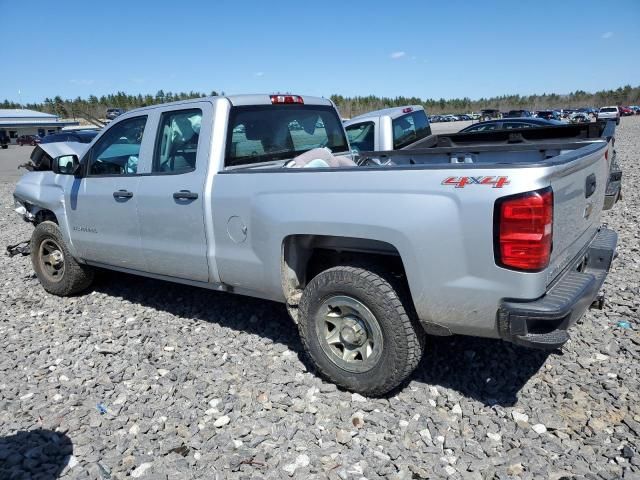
171,198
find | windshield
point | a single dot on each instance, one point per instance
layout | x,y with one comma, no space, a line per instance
264,133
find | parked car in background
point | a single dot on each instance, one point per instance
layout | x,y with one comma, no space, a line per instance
464,117
80,136
388,129
626,111
609,113
635,108
518,113
548,115
579,117
474,115
32,140
589,111
509,123
490,114
114,113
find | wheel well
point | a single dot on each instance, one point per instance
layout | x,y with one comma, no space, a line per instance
305,256
45,215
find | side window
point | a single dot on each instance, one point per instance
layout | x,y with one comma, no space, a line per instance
361,136
116,153
177,142
510,125
483,128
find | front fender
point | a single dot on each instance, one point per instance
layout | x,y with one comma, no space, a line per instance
46,191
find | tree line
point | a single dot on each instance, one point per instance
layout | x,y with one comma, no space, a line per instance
96,106
627,95
349,106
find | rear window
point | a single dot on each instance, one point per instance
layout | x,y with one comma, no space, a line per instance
608,109
265,133
410,128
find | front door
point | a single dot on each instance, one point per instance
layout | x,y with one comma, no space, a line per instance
171,201
103,205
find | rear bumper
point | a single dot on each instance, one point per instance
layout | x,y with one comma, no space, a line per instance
543,323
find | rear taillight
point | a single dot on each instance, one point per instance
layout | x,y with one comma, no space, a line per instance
523,228
277,99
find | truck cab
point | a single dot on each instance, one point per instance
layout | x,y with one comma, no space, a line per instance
388,129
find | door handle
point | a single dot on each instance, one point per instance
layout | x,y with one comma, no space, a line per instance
590,185
185,195
122,194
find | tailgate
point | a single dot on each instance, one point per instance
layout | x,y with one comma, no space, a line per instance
579,188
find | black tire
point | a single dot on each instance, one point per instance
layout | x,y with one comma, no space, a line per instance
402,337
64,278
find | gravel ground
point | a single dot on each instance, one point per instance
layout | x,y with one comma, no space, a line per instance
146,379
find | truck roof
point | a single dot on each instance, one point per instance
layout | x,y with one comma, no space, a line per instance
393,112
238,100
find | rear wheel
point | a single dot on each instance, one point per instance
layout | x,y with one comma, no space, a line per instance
58,272
357,331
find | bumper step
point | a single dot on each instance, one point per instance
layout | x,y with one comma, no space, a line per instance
543,323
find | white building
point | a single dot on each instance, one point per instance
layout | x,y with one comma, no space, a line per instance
15,122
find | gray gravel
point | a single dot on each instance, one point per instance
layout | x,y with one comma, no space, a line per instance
146,379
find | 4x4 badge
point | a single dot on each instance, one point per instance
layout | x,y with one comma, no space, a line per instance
461,182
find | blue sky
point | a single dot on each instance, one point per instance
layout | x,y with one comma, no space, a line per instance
424,48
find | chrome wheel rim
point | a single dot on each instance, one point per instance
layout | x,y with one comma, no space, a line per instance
349,333
51,260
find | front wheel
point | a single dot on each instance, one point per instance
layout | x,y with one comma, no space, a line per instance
357,330
58,272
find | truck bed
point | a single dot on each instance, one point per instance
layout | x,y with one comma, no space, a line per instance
523,147
559,133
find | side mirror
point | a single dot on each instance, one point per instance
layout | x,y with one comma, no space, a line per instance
66,165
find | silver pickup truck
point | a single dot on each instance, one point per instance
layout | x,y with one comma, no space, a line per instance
259,195
388,129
